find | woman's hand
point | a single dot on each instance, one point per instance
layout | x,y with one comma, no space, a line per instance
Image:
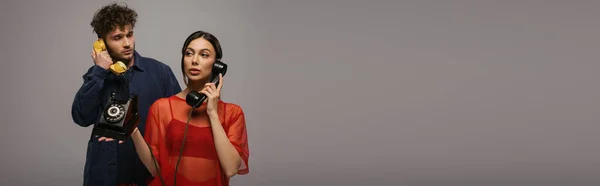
212,94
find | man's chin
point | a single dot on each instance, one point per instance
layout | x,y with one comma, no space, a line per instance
128,57
125,59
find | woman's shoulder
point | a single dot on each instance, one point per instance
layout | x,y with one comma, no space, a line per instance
229,106
162,103
232,111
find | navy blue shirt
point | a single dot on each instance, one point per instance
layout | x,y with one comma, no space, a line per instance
109,163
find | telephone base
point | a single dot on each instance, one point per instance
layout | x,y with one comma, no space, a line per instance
101,132
120,132
118,119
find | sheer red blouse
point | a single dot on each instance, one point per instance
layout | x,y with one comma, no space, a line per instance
199,164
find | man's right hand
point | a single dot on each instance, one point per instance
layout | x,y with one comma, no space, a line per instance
102,59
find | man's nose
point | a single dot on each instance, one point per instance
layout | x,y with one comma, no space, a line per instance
126,44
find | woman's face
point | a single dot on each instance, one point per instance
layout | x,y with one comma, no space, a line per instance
198,59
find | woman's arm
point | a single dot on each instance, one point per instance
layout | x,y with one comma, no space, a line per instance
228,156
143,151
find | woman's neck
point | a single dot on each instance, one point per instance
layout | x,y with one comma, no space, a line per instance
195,86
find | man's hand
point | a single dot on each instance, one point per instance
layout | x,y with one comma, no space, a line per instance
102,59
101,139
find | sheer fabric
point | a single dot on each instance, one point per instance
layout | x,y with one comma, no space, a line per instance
199,164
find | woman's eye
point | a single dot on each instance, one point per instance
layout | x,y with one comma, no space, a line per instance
204,55
188,53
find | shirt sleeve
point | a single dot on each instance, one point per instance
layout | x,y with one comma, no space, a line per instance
86,106
238,136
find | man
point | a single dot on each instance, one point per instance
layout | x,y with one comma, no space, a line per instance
111,162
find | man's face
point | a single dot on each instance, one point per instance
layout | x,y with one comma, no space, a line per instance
120,44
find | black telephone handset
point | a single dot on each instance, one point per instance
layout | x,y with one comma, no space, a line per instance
194,98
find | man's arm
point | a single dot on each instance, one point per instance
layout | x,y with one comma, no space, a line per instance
87,103
171,84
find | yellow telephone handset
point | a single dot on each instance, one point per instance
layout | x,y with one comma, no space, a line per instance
118,67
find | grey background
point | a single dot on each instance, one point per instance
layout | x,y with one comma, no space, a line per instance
338,92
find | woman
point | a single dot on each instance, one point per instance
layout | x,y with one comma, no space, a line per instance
216,144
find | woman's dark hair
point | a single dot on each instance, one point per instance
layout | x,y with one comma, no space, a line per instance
201,34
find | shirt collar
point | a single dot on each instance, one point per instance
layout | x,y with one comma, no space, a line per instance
138,63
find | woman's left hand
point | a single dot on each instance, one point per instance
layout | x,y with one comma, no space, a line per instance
213,95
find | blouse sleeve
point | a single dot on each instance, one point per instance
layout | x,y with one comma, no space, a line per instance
154,134
237,135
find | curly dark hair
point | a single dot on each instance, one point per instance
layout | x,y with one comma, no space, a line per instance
112,16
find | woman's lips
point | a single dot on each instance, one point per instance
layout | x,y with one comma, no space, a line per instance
195,71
